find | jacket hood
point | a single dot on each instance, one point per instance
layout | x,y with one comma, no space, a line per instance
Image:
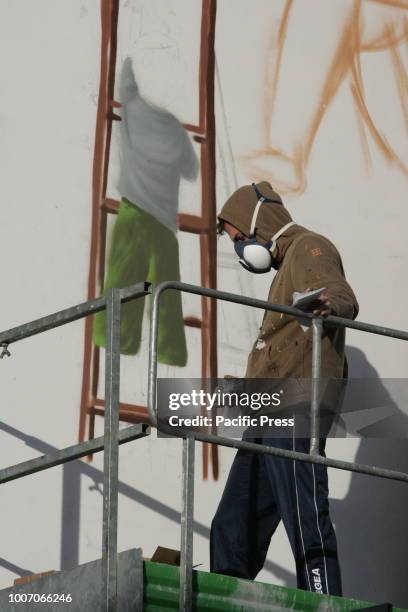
272,216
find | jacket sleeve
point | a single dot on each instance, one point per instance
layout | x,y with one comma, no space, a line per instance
316,263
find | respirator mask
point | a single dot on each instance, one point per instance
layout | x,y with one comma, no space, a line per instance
254,256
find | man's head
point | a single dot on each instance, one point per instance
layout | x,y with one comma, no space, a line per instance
233,232
254,217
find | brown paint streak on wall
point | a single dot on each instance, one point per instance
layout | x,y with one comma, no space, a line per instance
402,4
109,17
358,95
272,76
360,122
401,79
346,62
347,47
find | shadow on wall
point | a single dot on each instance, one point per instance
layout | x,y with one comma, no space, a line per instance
371,521
70,511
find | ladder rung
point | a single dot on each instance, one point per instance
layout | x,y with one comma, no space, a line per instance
125,415
195,129
111,205
132,413
192,224
193,322
199,139
186,223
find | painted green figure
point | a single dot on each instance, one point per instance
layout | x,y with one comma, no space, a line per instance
144,249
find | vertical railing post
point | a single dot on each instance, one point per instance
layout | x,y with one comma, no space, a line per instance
317,328
187,519
111,453
152,372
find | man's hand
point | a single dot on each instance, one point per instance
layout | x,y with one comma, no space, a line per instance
321,306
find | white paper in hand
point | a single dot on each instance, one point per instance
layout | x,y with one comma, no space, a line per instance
304,299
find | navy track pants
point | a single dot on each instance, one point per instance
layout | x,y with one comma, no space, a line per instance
262,490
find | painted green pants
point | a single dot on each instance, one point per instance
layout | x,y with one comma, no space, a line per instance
144,249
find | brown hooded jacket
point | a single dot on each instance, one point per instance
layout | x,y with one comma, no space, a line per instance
304,260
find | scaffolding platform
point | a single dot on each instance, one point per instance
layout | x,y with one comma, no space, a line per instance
79,589
155,587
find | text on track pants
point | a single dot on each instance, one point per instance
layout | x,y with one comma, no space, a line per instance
262,490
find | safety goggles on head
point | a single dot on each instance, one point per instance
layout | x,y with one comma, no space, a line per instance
254,256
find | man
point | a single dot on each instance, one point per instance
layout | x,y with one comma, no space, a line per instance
262,489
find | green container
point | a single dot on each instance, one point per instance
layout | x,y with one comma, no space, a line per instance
224,593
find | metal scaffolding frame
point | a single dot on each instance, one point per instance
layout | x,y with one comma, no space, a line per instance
318,323
112,437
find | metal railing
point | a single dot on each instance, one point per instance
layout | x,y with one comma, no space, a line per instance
187,516
112,437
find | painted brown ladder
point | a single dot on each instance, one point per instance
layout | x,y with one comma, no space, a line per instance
204,226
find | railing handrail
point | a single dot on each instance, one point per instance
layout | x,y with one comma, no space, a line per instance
68,315
331,320
313,457
317,323
289,310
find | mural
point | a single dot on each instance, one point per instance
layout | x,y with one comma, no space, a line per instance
155,152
